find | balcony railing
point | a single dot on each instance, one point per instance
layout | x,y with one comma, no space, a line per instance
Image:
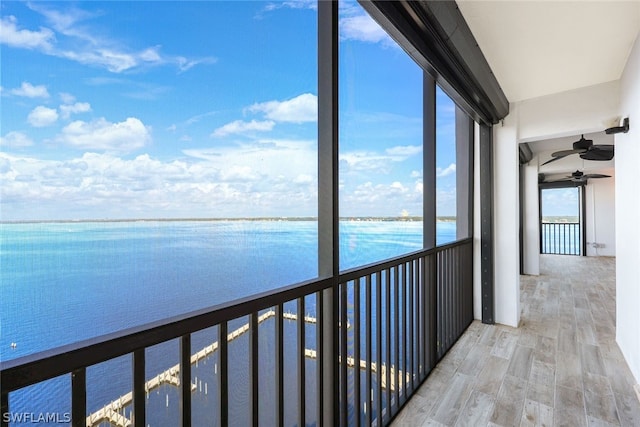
394,320
560,238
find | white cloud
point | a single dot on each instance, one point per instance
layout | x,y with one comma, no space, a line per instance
270,178
5,166
241,127
404,151
304,179
303,108
382,198
363,28
101,134
268,162
79,43
185,64
30,91
151,54
12,36
112,60
67,98
42,116
296,4
238,173
15,139
416,174
359,161
441,173
78,107
398,187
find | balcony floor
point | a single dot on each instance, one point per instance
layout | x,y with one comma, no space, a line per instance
560,367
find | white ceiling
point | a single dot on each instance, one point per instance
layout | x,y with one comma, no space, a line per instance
537,48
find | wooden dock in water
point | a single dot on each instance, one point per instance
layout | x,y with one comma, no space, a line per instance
351,362
114,411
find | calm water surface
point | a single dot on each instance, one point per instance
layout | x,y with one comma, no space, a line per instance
65,282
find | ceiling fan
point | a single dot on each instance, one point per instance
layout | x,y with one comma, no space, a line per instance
587,151
576,176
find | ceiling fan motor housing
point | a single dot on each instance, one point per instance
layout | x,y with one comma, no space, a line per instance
582,144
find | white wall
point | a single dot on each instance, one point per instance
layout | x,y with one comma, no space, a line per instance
505,226
570,113
477,287
600,216
628,217
506,221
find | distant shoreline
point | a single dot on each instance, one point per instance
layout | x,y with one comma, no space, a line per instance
256,219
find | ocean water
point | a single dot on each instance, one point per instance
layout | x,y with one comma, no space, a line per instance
65,282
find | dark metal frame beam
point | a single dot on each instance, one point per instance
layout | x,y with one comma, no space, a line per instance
438,38
328,212
429,161
583,219
486,224
464,174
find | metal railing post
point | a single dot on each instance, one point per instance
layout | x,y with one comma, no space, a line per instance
328,213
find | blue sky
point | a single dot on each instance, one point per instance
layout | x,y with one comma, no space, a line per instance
203,109
561,202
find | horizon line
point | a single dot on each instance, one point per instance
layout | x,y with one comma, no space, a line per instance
212,219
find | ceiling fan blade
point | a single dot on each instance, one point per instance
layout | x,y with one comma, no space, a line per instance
562,154
599,153
559,180
565,153
595,175
553,159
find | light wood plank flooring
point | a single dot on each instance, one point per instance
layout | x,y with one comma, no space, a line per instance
561,367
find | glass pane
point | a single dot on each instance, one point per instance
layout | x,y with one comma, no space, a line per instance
170,160
560,228
38,405
445,168
205,405
560,204
380,142
109,387
151,167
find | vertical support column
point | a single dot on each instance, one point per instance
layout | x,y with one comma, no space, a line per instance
279,342
521,215
223,380
429,162
139,395
583,220
4,409
486,224
79,398
328,213
254,374
302,376
464,175
429,213
185,378
542,227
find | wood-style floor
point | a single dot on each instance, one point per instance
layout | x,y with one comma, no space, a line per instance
561,367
